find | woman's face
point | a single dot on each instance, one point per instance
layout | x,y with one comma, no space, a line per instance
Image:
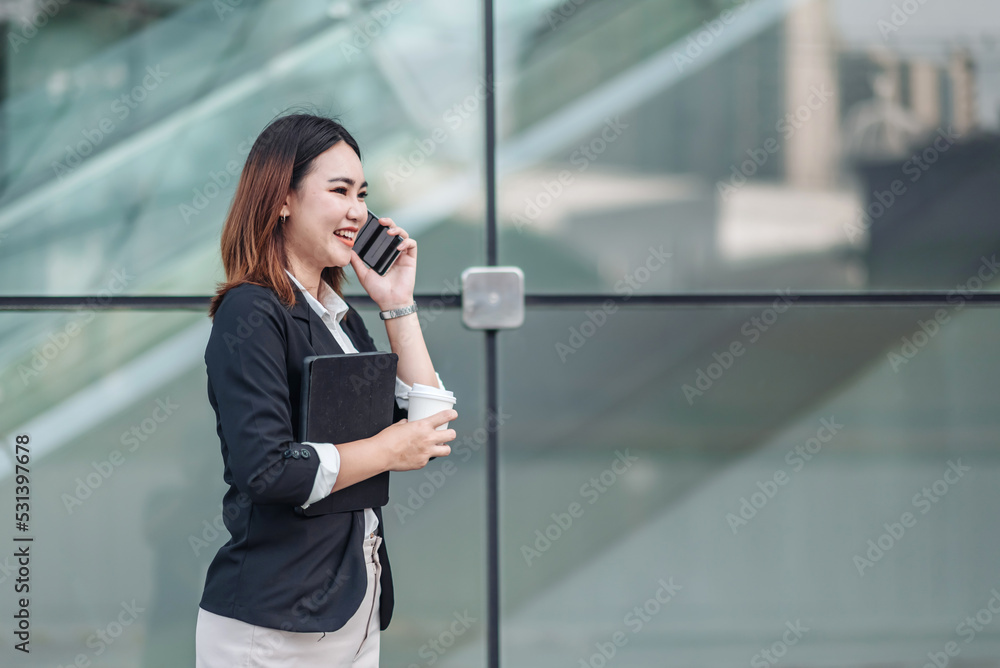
328,207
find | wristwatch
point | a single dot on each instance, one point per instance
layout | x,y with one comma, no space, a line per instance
397,312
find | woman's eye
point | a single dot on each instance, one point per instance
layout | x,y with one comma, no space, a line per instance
343,191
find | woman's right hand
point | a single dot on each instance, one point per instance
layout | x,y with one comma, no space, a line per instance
410,445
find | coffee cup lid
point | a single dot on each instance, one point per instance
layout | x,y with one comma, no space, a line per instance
437,396
430,390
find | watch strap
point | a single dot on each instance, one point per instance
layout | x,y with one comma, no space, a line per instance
397,312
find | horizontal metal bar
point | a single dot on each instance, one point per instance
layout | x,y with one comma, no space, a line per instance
926,298
201,303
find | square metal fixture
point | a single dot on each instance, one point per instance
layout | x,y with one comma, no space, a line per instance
493,297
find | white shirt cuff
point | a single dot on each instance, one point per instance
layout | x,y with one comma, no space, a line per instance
326,474
403,391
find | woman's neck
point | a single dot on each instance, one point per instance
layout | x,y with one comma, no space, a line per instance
309,278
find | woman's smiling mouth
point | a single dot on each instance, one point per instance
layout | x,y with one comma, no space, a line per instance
346,236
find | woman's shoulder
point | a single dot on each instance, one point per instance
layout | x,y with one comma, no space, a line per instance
246,302
248,295
250,318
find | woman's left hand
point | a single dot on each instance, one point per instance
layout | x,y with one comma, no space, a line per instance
395,289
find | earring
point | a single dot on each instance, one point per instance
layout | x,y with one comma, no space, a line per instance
282,219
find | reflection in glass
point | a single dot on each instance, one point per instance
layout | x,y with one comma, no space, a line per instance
126,491
731,466
762,145
134,151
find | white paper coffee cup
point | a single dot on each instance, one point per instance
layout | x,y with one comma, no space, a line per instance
426,400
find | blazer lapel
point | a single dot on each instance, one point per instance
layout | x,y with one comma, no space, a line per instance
317,332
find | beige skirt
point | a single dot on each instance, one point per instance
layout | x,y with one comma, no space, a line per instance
223,642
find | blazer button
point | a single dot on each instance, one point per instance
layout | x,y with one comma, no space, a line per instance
305,454
295,454
286,454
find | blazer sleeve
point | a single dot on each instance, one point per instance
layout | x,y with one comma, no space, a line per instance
247,371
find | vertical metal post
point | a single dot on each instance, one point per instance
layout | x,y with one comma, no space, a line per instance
492,498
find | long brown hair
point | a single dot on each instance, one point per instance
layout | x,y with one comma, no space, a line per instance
253,240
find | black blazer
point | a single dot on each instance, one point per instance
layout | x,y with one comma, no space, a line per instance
279,569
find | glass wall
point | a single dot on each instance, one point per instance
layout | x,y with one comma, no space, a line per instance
753,477
124,130
823,145
749,417
131,155
686,487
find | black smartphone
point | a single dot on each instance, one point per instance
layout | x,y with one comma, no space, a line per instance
375,246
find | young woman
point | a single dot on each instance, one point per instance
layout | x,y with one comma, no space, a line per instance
290,589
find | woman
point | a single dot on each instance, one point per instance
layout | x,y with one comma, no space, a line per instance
290,589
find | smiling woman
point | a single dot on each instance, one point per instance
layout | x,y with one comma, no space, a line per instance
286,581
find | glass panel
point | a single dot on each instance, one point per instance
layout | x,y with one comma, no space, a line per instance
134,151
126,486
660,146
124,469
718,486
435,520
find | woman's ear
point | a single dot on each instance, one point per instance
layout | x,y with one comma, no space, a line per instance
286,207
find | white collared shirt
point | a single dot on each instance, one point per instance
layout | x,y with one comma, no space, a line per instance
331,309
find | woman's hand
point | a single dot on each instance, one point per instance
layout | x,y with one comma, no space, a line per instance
395,289
410,445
